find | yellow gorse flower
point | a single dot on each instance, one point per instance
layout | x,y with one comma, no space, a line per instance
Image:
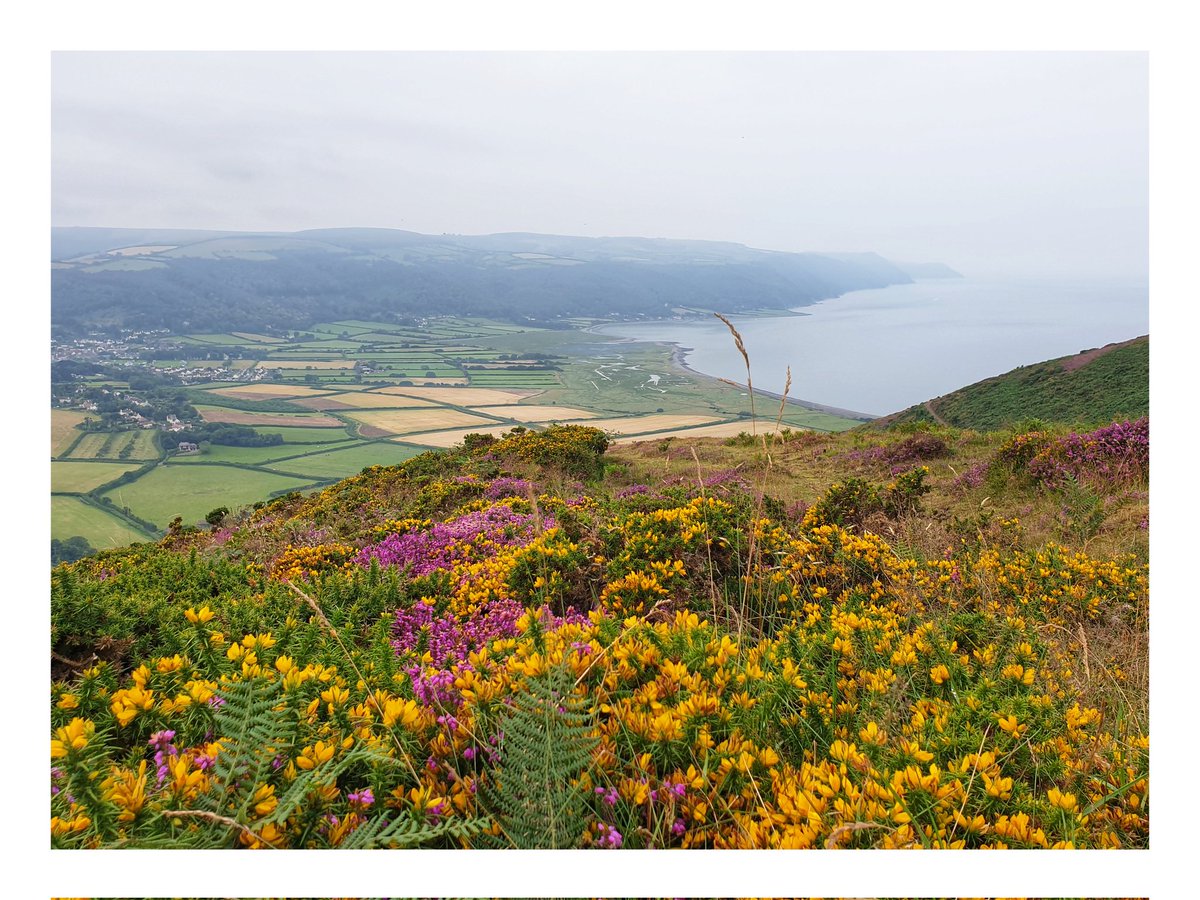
71,737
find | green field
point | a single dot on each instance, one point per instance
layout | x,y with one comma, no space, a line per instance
71,516
192,491
294,435
81,477
351,461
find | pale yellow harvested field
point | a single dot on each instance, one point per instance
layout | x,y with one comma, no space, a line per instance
721,429
238,417
405,421
540,413
239,364
268,391
62,428
443,439
276,363
262,338
642,424
361,400
462,396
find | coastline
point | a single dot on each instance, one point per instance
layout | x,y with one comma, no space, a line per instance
678,359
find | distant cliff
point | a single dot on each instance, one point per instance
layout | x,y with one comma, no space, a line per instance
928,270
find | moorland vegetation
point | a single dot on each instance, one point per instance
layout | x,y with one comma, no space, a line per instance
903,638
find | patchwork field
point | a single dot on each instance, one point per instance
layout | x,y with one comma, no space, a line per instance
450,438
192,491
462,396
240,417
62,428
375,423
645,424
361,400
81,477
540,413
267,391
71,516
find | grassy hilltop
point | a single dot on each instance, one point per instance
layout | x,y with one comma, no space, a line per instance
1091,387
912,637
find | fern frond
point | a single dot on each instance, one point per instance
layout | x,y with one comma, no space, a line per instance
253,731
546,744
408,831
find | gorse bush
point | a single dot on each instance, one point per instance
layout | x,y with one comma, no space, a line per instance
448,653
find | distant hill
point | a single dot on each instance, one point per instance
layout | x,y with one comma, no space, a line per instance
104,278
1090,387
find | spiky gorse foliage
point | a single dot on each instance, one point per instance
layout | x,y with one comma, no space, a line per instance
659,668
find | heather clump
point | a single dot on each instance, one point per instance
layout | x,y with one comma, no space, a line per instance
1114,454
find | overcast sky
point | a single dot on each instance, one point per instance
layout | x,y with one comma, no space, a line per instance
995,163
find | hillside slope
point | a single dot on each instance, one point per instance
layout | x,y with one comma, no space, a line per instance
535,642
105,279
1088,388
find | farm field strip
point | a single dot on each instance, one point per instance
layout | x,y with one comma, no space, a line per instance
293,434
443,439
404,421
268,391
540,413
239,417
302,364
646,424
362,400
462,396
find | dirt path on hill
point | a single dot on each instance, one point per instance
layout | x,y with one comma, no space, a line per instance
929,409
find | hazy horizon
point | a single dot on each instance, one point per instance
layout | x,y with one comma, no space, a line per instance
1018,164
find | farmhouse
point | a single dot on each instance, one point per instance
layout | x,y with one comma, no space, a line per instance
188,447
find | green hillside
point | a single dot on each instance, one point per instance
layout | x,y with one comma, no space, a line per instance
1088,388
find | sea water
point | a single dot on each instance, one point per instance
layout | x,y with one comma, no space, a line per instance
881,351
